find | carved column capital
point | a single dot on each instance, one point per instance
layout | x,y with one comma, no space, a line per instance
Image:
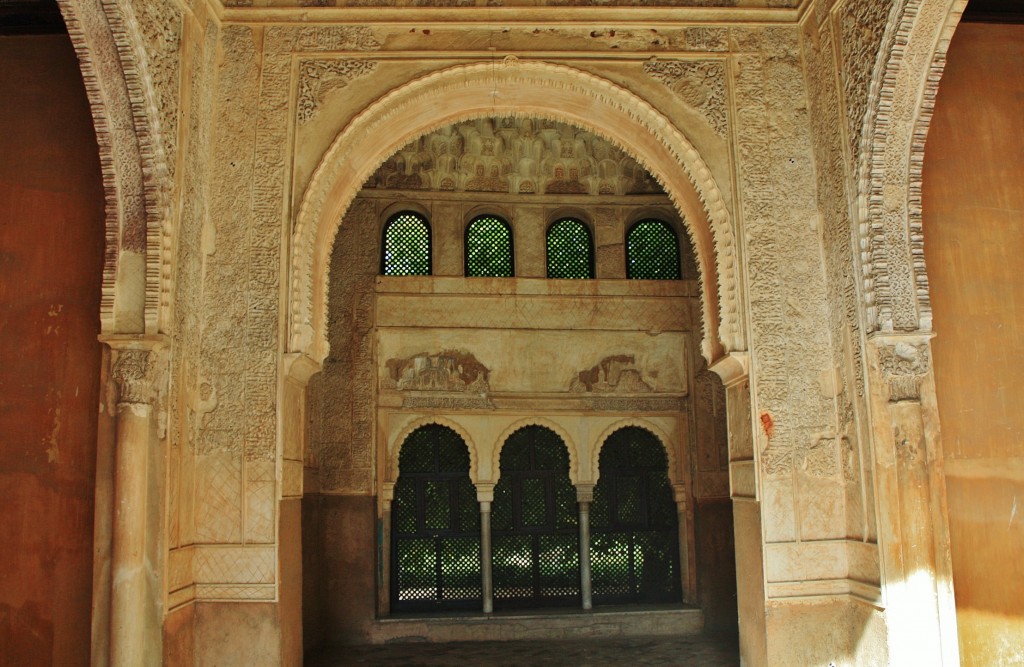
136,367
903,364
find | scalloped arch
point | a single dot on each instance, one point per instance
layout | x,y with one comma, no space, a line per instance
570,445
516,88
403,435
666,443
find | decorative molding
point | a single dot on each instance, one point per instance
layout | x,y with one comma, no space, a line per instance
529,89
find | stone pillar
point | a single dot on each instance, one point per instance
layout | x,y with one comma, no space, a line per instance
485,495
585,496
135,611
911,496
751,599
682,505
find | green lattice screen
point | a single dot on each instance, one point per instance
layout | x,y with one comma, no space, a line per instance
652,251
435,525
406,246
634,547
489,248
570,250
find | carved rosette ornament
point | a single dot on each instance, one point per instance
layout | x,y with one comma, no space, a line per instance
904,366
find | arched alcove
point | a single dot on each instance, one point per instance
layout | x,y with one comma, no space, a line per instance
521,89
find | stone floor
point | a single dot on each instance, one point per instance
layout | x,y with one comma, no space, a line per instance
707,650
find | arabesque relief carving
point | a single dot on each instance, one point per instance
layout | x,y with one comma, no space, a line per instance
615,374
133,372
698,83
904,366
319,78
449,370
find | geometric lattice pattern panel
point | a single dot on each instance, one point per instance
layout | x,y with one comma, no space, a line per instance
634,546
435,525
406,249
489,248
652,251
535,524
570,250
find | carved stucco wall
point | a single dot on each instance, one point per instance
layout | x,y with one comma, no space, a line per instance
836,230
191,395
264,103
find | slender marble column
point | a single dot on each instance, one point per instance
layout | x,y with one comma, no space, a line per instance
682,507
485,496
384,597
133,361
585,495
485,556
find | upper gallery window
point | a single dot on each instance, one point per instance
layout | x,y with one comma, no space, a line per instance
570,250
652,251
489,248
406,249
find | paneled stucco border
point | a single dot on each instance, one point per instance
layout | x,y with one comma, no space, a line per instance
136,268
514,88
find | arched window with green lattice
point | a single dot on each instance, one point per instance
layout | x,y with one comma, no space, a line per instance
652,251
489,250
435,525
570,250
634,544
406,247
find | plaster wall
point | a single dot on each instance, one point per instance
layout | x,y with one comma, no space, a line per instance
52,239
973,204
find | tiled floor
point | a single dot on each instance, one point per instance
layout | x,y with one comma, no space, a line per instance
704,650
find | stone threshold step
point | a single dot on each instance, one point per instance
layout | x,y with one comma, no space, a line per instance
546,624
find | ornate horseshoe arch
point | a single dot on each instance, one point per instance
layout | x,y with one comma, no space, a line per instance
515,88
663,440
570,445
136,269
399,442
889,231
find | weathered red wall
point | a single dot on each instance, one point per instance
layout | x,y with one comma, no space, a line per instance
974,248
51,247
